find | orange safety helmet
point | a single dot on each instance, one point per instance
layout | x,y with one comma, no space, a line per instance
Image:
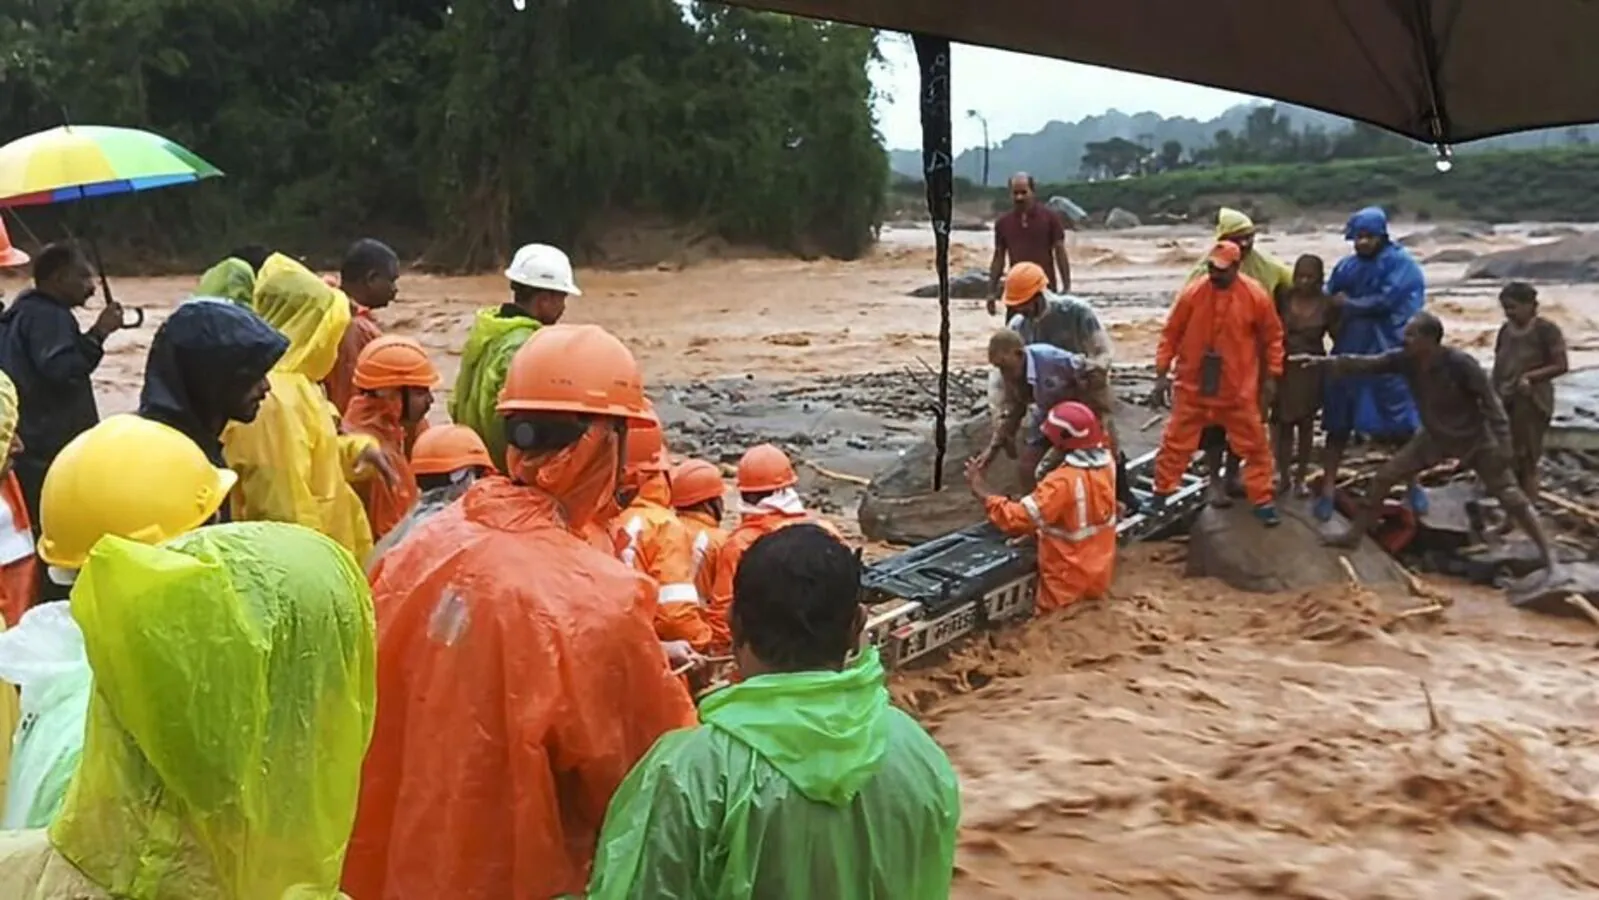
10,256
696,481
763,469
1073,426
394,362
579,369
1023,282
445,448
646,445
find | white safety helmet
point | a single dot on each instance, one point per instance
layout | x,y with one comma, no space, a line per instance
543,268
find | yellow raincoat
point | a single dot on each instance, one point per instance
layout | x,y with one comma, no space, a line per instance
1271,272
234,699
293,464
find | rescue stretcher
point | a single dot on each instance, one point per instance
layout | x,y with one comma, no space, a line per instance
936,593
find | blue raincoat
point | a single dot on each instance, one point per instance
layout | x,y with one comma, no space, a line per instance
1382,292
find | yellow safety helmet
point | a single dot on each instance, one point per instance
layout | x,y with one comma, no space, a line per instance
130,477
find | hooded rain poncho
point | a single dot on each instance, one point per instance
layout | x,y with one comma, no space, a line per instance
797,786
1381,293
203,358
1273,274
234,696
521,679
494,339
19,567
231,279
293,464
378,415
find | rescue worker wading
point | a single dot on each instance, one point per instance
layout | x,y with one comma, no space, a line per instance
1215,337
394,381
1072,512
518,664
247,788
765,484
804,782
651,539
697,495
446,460
541,281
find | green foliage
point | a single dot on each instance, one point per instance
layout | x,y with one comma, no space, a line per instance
1515,185
460,131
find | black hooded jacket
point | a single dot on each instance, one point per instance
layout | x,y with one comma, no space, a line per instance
202,358
51,361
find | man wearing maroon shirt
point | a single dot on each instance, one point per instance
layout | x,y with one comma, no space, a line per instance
1031,232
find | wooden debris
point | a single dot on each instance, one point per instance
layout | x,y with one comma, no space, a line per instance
838,476
1588,514
1434,723
1581,604
1422,589
1152,421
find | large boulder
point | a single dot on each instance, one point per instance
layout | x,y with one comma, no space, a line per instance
1232,546
1447,234
971,284
1551,594
1451,255
1120,218
901,506
1568,259
1066,209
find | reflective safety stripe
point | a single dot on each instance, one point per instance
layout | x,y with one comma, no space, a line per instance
679,593
702,547
1031,505
629,554
1073,535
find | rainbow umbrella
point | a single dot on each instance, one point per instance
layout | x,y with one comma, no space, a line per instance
74,162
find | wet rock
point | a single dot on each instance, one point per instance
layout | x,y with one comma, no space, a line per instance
900,506
1452,255
1230,545
1120,218
971,284
1066,209
1547,594
678,418
1554,231
1444,234
1301,225
1569,259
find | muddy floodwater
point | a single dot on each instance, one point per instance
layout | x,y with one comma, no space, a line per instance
1178,739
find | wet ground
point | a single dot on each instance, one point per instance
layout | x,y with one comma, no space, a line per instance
1178,739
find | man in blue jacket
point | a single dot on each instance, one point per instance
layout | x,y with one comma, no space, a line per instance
1377,288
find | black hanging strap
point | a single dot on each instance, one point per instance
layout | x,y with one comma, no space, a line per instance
932,55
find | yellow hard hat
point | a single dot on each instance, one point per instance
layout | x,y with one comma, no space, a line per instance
130,477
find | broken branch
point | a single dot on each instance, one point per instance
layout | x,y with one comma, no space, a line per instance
1581,604
838,476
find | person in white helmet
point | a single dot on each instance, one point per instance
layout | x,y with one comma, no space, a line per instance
541,280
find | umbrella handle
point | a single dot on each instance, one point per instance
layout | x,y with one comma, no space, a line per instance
138,317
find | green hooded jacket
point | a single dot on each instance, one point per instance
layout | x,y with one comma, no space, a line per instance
484,362
231,279
796,786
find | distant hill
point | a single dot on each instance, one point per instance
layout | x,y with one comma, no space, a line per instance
1054,153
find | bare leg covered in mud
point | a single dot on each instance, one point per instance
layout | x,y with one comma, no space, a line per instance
1294,442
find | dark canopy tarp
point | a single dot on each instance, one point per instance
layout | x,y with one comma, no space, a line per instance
1440,71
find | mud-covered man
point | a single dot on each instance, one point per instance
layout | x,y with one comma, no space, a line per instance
1461,416
1030,232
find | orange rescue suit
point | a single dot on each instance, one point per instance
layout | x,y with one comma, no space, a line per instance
1073,514
1240,324
751,528
651,539
521,681
708,538
362,330
378,415
19,578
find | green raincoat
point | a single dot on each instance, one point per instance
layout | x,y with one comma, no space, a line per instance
234,696
231,279
484,361
1273,274
796,786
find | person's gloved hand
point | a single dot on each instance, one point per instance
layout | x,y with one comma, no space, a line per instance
1160,396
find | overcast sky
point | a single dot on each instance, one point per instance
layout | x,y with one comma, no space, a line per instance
1019,93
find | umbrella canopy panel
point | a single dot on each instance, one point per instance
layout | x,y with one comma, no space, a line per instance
74,162
1439,71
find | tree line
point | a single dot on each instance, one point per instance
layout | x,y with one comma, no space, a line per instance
1267,137
459,131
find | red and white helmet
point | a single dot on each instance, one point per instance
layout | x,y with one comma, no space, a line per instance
1073,426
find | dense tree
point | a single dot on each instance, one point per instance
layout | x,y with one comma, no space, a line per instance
461,130
1269,137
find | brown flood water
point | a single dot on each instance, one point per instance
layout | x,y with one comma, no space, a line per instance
1178,739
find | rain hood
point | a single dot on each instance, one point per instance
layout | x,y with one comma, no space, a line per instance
798,785
231,279
207,353
234,698
485,360
311,313
1371,220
